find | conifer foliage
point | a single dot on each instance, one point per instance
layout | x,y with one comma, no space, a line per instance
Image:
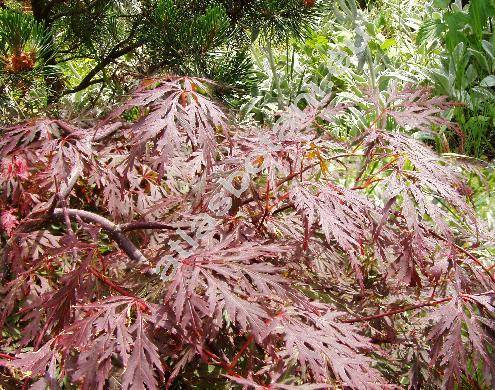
59,48
168,245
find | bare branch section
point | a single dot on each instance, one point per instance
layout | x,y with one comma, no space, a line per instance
111,228
140,225
71,182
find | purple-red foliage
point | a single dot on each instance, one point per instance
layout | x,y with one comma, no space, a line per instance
339,264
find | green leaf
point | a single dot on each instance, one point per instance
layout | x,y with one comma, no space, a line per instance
488,81
442,4
388,44
428,31
479,12
488,48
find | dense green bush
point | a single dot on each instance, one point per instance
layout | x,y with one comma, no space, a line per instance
465,40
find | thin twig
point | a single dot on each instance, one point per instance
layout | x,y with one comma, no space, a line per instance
110,283
467,253
6,356
395,311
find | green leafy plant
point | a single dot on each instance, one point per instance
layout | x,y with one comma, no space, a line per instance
467,66
349,51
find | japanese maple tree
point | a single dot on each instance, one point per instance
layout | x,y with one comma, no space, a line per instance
169,245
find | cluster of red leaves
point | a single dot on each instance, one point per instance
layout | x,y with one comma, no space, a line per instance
19,62
326,237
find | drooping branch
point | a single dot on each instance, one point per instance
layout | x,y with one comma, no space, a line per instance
111,228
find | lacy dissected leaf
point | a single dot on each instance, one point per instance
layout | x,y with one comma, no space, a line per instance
106,331
176,114
143,361
226,278
35,362
243,250
463,334
428,194
343,215
327,347
8,221
415,108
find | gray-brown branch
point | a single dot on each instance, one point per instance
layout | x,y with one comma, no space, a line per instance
113,230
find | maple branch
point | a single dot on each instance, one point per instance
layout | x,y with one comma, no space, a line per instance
145,225
71,182
58,197
395,311
111,228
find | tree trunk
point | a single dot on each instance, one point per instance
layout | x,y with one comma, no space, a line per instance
53,78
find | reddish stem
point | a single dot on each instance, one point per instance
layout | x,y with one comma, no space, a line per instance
241,351
110,283
396,311
6,356
121,290
267,205
467,253
220,363
374,179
